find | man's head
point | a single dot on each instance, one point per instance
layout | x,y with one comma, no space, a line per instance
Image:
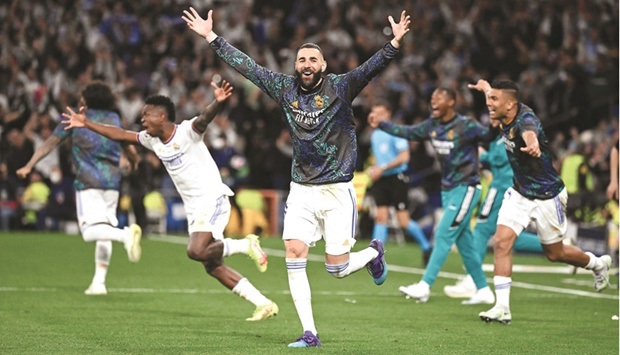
310,65
157,110
98,96
503,100
380,111
442,103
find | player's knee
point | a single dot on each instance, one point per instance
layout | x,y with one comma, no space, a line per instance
553,256
212,265
338,271
195,253
500,244
92,233
293,251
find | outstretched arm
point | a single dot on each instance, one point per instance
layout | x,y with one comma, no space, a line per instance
199,25
49,145
531,144
77,120
221,94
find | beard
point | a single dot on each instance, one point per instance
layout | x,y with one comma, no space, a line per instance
309,83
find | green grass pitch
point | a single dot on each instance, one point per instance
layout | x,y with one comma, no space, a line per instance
166,304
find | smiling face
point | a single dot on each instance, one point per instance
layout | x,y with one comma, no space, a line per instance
442,105
500,104
309,67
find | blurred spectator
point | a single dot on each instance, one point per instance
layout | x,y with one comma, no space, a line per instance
576,173
60,206
563,53
15,154
34,199
283,158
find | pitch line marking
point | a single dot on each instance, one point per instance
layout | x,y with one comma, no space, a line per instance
448,275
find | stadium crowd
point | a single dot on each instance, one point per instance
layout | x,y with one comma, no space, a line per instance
563,53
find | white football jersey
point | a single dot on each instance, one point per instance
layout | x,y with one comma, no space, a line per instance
189,164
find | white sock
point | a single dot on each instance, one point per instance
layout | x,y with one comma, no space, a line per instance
103,254
359,259
300,291
235,246
502,291
246,290
103,232
594,264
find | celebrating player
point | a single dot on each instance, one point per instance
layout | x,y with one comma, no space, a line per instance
318,113
195,175
97,182
538,194
455,138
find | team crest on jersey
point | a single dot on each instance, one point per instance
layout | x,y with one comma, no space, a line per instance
318,101
295,104
175,146
451,134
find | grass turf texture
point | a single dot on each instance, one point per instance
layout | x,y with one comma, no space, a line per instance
167,304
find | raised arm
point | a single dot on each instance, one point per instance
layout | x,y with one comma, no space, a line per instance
47,146
268,81
221,94
78,120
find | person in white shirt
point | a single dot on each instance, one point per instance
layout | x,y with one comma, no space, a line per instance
181,149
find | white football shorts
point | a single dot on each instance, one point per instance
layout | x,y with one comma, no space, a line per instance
549,215
212,217
96,206
328,211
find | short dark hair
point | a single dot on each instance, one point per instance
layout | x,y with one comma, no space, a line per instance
448,91
98,96
311,45
508,86
164,102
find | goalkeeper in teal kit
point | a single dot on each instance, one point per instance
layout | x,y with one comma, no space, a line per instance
456,139
318,113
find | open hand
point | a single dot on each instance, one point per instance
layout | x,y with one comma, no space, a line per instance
197,23
222,92
401,28
73,119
